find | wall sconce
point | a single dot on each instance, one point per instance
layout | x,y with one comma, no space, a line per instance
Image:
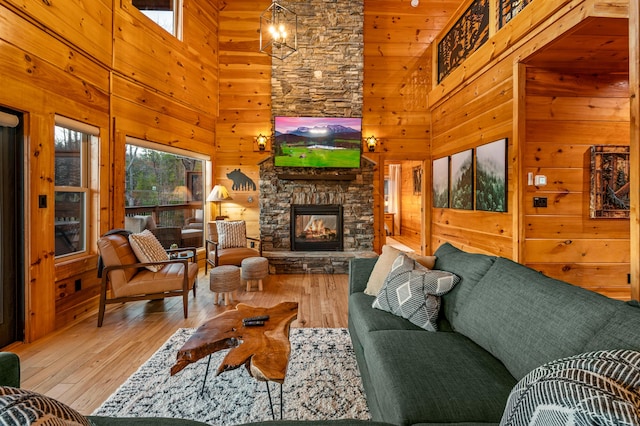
278,31
261,143
371,142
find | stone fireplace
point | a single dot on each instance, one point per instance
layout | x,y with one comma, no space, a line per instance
316,227
324,78
283,190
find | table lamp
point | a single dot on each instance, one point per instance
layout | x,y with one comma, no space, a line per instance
218,194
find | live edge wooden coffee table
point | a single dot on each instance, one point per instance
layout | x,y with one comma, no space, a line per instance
263,350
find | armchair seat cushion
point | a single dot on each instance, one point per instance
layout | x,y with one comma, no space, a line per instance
169,278
233,255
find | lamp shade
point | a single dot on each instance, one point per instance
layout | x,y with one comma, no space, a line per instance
219,193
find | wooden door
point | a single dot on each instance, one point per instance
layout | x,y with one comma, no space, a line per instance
11,237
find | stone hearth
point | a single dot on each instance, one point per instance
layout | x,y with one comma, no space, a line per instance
350,188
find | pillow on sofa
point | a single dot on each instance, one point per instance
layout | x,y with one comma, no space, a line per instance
383,266
413,292
23,407
601,387
231,233
148,249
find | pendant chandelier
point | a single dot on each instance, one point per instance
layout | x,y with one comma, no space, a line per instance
278,31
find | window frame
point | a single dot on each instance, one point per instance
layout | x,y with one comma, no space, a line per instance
177,18
88,170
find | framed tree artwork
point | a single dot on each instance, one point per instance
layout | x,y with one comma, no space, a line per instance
462,180
610,168
417,180
491,176
440,183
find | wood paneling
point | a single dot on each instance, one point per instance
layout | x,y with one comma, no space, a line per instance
573,94
154,58
59,61
397,79
245,105
634,95
86,27
563,233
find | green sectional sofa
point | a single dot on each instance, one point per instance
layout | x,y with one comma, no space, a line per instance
501,321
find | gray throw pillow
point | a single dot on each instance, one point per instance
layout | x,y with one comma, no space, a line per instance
413,292
594,388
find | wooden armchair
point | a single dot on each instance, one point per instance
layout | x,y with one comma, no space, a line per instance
130,280
224,250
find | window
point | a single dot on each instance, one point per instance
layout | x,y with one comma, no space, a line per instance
165,13
168,187
72,142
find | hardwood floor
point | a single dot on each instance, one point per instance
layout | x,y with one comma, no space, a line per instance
81,365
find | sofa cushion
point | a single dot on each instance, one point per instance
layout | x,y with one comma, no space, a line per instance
383,267
520,316
621,331
470,267
169,278
413,292
360,269
231,234
23,407
434,378
364,318
601,387
148,249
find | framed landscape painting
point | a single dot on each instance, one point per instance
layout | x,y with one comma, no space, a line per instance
491,176
462,180
440,189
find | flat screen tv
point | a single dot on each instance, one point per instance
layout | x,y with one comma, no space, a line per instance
318,142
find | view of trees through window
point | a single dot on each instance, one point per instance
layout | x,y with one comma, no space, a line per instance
167,186
71,183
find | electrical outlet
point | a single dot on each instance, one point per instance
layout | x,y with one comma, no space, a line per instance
539,201
42,201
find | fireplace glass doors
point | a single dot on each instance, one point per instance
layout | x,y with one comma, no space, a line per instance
316,227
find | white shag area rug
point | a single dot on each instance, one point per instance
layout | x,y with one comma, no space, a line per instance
322,383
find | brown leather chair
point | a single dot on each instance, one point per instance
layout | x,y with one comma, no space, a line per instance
130,280
230,255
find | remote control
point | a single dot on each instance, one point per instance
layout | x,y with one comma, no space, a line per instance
252,323
256,318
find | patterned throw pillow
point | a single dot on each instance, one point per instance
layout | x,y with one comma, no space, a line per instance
23,407
232,233
594,388
413,292
383,266
148,249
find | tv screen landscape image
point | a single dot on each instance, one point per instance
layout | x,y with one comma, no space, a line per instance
317,142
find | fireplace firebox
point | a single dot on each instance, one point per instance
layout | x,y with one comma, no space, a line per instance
316,227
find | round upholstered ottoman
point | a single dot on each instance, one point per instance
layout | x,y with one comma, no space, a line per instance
224,280
255,269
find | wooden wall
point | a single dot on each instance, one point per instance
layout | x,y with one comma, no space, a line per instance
397,79
552,91
565,115
244,107
411,202
64,58
634,95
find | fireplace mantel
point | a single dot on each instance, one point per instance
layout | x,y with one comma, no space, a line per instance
304,176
